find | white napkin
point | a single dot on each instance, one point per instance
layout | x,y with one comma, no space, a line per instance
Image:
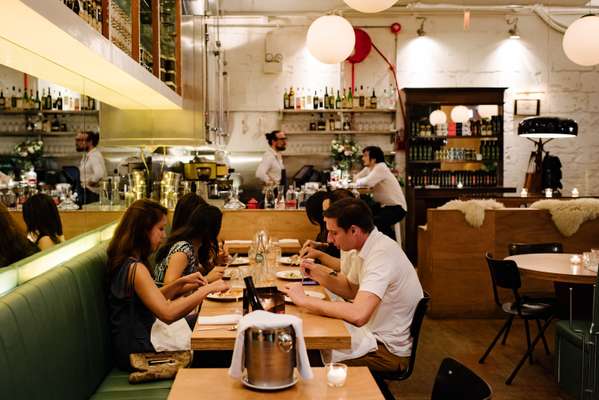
289,241
267,320
224,319
173,337
362,343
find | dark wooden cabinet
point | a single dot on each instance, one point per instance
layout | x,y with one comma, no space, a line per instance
447,159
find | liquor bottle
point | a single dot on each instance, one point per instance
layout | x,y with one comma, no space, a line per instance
13,98
362,99
321,125
315,100
286,100
59,102
25,101
350,98
326,98
251,294
31,100
373,100
291,97
48,101
309,100
356,99
2,100
298,99
338,101
332,100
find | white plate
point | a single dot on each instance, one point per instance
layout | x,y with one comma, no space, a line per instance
227,296
295,260
239,261
309,293
246,383
290,275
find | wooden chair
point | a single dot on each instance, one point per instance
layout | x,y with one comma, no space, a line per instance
415,326
505,274
456,381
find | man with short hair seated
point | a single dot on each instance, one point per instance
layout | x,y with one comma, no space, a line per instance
385,290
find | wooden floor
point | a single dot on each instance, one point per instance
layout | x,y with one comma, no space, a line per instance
466,341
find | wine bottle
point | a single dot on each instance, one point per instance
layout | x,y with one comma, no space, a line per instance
338,101
315,100
356,99
285,100
350,98
59,101
76,7
252,294
13,99
332,100
291,97
326,98
373,100
362,100
2,100
48,100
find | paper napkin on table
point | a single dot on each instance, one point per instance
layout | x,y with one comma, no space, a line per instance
224,319
289,241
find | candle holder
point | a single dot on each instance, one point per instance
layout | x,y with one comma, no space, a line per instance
336,374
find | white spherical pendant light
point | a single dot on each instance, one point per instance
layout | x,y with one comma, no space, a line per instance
370,6
331,39
460,114
437,117
581,41
487,110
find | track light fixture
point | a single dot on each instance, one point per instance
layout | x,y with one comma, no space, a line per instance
420,30
513,31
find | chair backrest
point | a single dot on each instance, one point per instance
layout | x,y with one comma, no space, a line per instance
456,381
415,328
504,274
530,248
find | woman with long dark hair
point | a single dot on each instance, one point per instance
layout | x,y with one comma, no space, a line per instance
184,208
14,245
134,299
193,247
44,227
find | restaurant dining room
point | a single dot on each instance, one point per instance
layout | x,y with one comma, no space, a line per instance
299,199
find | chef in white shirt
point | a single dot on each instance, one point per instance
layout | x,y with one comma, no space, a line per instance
271,169
383,285
392,206
91,168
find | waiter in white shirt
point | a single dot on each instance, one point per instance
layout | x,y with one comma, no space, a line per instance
91,168
386,190
271,169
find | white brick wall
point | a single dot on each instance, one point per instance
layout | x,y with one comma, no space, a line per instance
532,67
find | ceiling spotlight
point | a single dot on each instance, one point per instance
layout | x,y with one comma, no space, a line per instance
420,30
513,31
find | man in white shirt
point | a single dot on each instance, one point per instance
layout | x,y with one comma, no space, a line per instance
385,289
91,168
271,169
386,190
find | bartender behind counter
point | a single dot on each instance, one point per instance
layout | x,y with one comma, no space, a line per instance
92,168
386,190
271,169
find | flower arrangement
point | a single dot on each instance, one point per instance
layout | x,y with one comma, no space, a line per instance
345,152
29,152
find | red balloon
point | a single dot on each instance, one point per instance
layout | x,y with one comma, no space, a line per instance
362,47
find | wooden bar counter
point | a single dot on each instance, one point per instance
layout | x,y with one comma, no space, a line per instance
451,263
237,224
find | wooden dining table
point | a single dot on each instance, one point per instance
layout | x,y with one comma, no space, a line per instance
215,383
320,332
555,267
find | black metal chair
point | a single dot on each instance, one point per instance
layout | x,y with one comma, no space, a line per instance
400,375
505,274
456,381
530,248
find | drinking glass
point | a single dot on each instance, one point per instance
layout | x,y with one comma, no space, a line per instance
336,374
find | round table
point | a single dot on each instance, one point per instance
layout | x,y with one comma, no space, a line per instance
553,267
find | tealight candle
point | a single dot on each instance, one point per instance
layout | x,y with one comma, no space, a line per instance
524,192
460,185
575,192
575,259
336,374
548,192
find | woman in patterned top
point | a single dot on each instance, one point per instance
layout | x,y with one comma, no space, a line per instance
193,247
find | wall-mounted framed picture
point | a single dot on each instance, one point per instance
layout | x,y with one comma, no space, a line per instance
527,107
